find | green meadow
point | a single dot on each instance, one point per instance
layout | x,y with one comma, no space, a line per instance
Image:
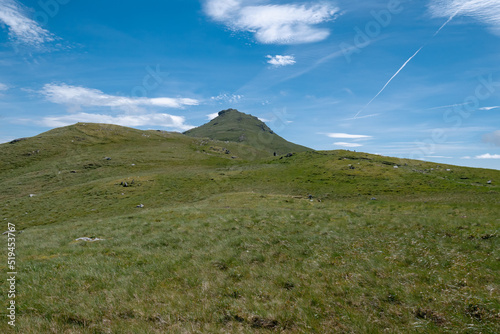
213,236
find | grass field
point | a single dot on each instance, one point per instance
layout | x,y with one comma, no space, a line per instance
231,243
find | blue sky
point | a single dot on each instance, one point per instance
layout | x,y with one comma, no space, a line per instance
411,79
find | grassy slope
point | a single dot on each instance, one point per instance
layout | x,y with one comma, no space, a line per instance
232,125
233,245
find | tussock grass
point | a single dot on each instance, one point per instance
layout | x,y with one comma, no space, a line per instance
209,269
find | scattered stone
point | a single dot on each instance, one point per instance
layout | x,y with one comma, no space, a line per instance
289,155
140,206
107,158
427,314
32,153
448,170
32,195
73,172
88,239
489,182
396,167
132,165
373,199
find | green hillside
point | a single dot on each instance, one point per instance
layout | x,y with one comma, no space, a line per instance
214,236
234,126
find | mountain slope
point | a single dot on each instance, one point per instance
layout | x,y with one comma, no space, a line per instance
223,244
68,172
234,126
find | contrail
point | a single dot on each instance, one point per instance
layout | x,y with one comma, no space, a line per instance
388,82
449,106
406,63
449,20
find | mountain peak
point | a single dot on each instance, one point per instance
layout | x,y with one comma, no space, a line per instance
228,111
235,126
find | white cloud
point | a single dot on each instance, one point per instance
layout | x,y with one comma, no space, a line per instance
488,108
233,98
221,9
76,97
159,120
3,86
273,24
492,138
488,156
485,11
343,144
279,60
212,116
347,136
466,157
21,28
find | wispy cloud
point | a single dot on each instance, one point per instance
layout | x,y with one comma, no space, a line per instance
360,117
279,60
158,120
271,23
76,97
438,157
343,144
314,65
492,138
448,106
488,108
3,87
21,28
347,136
485,11
488,156
229,98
